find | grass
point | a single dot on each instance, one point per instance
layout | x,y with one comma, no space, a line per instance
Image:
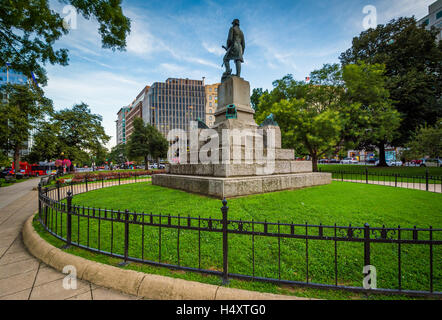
404,174
341,203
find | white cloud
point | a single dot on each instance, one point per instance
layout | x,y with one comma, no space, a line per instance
104,92
214,49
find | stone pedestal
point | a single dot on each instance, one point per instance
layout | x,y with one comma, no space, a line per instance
261,168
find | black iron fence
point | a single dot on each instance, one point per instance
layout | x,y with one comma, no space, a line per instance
157,239
426,181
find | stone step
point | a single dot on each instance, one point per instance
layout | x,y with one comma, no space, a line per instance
240,186
243,169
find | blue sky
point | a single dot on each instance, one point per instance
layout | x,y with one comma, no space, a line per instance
184,38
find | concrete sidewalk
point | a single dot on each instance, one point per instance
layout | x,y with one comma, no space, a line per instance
23,277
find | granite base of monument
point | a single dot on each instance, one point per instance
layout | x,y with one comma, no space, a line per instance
240,186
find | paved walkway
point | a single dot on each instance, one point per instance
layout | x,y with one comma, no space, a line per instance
23,277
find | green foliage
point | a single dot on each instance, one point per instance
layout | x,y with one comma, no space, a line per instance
146,141
378,119
254,98
29,29
413,69
22,110
4,159
338,109
79,132
118,154
45,146
427,142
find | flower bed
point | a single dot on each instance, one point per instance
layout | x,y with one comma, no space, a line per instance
97,176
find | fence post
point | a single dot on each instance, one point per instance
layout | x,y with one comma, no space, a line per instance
224,211
85,180
68,221
366,244
395,179
366,175
58,190
46,208
426,179
39,200
119,180
342,176
126,239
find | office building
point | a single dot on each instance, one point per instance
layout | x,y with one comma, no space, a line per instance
211,103
7,75
136,111
121,125
174,103
434,18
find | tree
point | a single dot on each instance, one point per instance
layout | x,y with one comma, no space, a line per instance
427,142
29,29
118,154
377,121
22,109
80,133
308,114
413,69
99,155
254,98
158,145
338,110
146,141
318,130
45,143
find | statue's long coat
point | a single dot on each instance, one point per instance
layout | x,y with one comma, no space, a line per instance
235,44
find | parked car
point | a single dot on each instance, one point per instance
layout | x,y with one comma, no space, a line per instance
6,172
349,161
391,163
431,163
323,161
334,161
162,166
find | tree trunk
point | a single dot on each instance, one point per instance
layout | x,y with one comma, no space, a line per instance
382,162
17,159
315,162
146,164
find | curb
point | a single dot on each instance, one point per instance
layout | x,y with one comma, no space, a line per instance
149,286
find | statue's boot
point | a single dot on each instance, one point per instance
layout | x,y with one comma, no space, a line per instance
228,69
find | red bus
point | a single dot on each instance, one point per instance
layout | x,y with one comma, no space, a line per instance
34,170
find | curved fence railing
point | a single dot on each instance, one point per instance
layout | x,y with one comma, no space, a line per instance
425,182
407,260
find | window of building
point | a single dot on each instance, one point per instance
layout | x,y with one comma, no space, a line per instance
439,15
426,22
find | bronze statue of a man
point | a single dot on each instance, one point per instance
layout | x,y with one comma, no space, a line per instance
235,50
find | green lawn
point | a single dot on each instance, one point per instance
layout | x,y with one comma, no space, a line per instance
341,203
403,174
